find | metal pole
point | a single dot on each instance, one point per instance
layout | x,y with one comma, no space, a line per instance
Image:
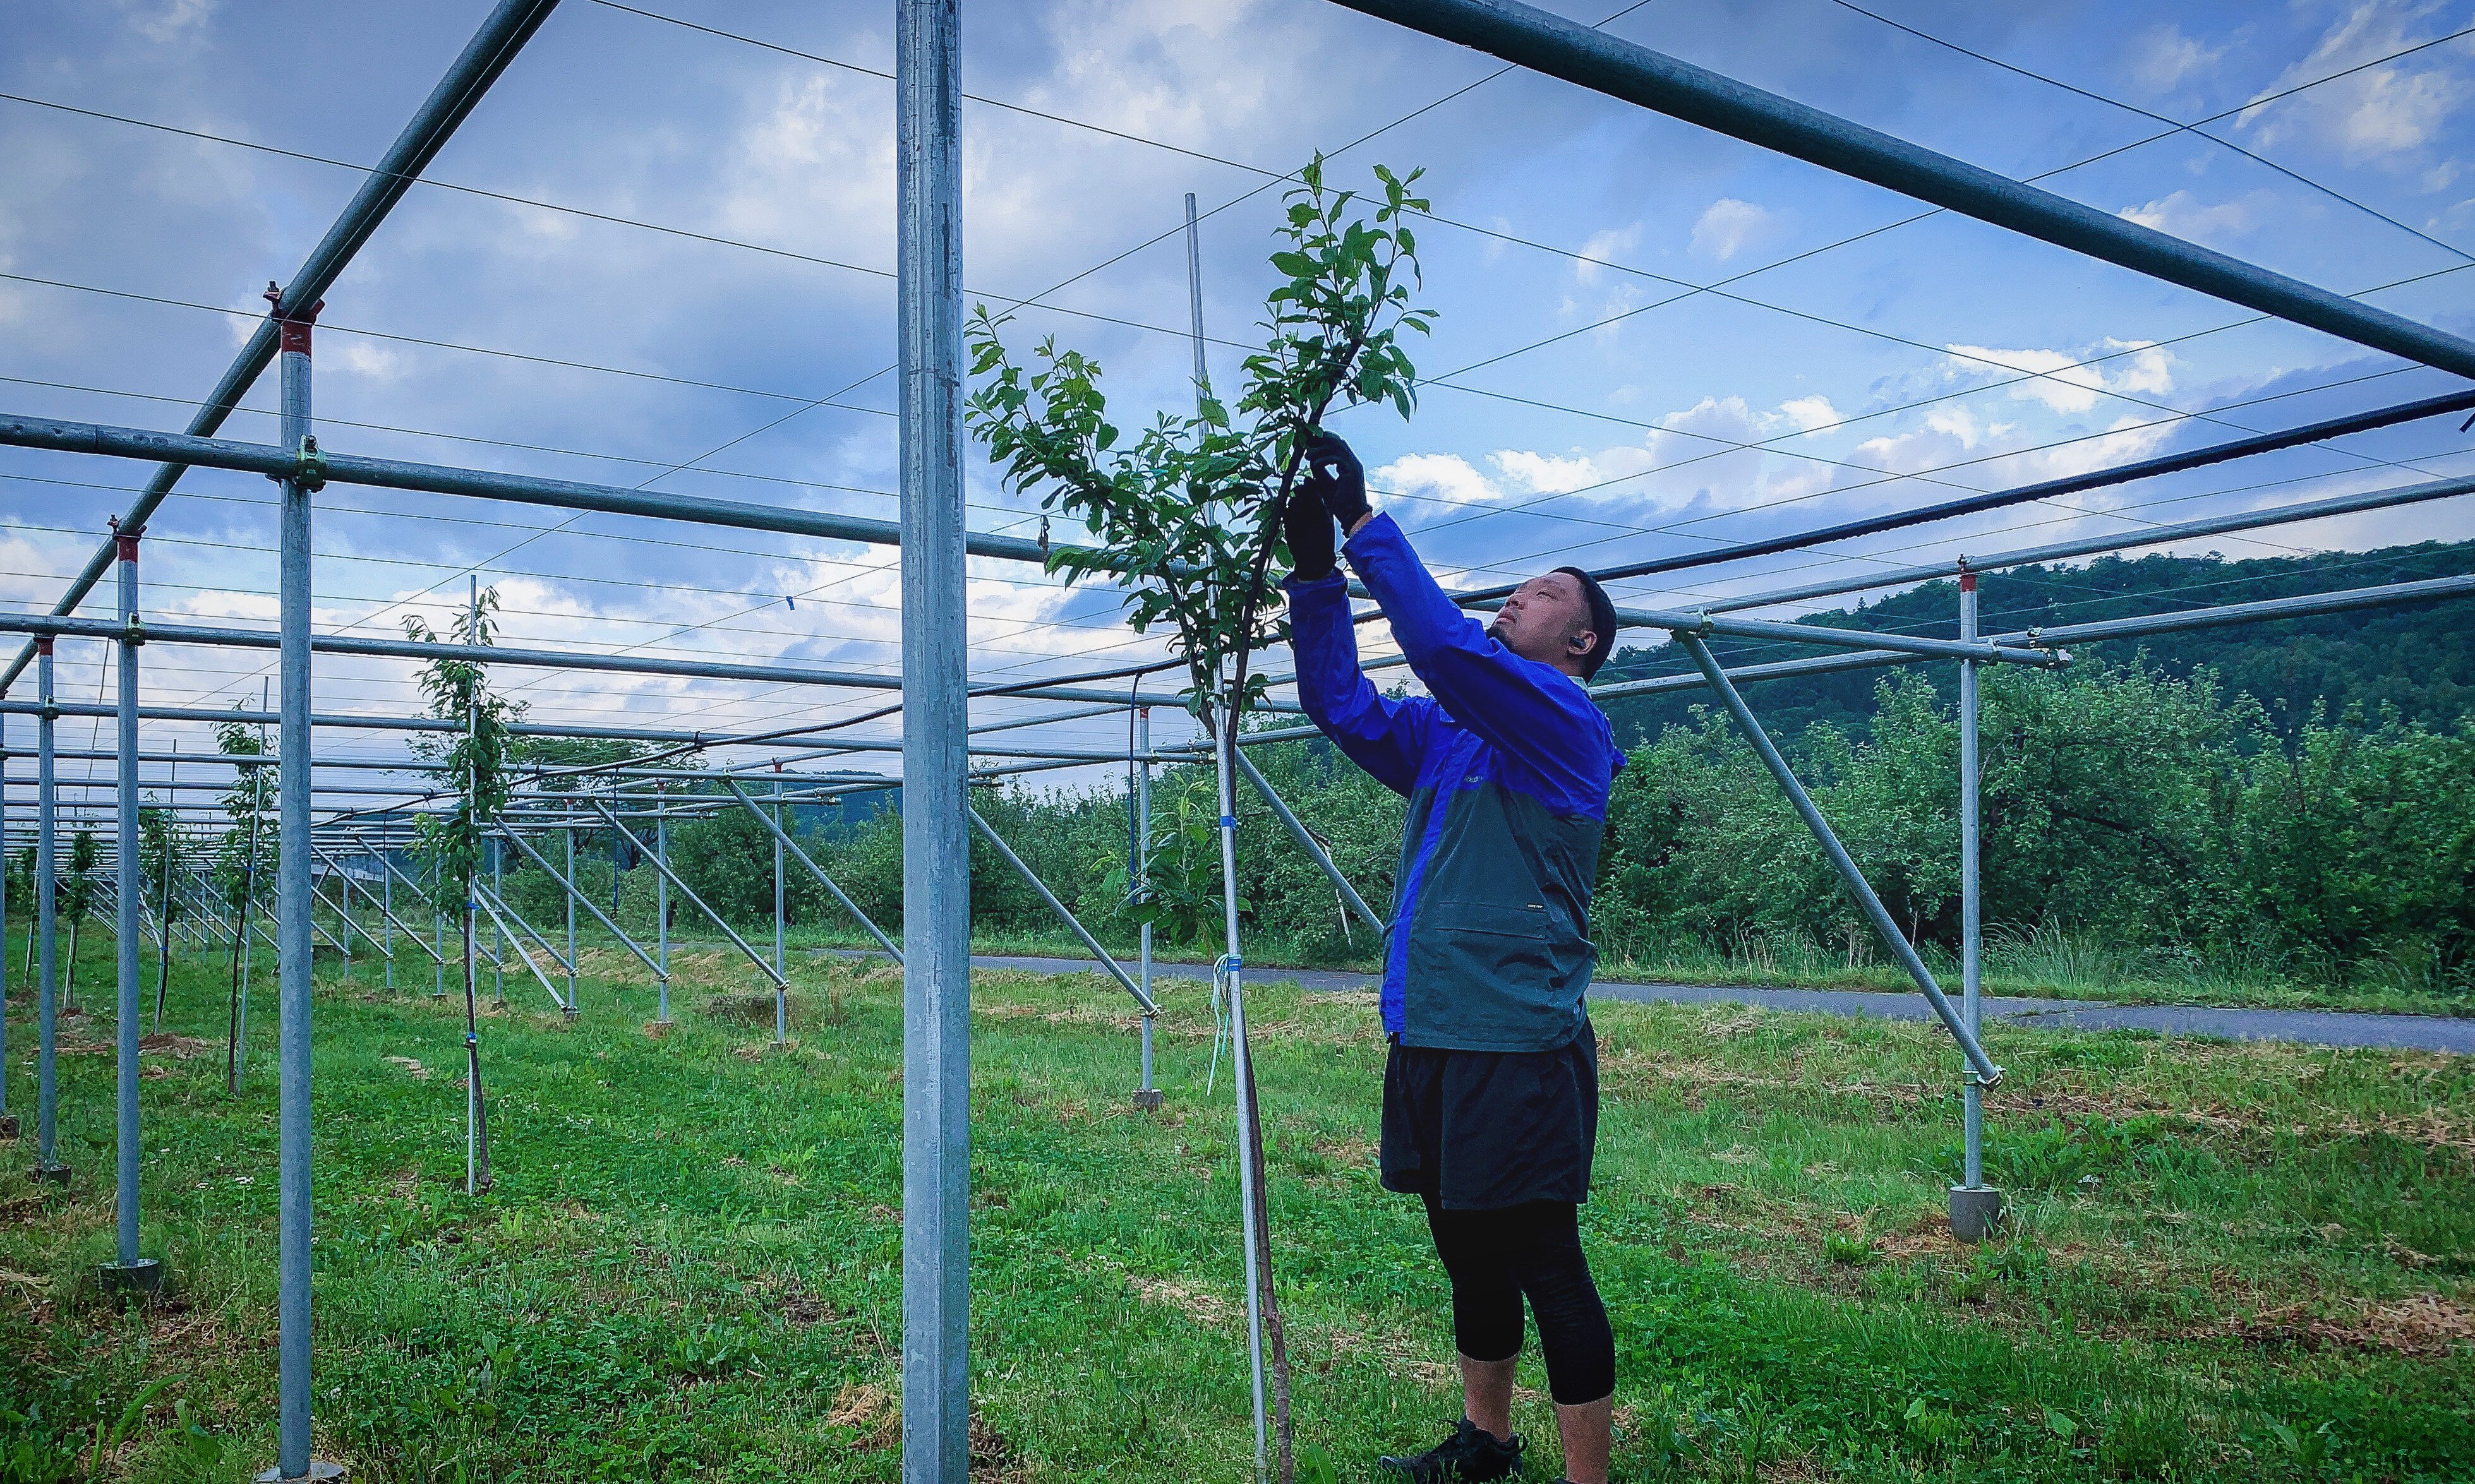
437,930
694,900
574,894
126,1272
1534,38
1242,1069
782,838
294,947
1307,842
8,1120
661,898
1846,865
781,985
936,838
1194,294
1974,1207
501,37
499,966
47,1090
569,835
1072,923
386,910
1147,1095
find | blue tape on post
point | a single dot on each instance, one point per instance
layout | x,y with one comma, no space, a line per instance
1228,821
1236,963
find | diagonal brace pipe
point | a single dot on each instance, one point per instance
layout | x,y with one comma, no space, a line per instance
818,871
1307,842
481,899
687,891
598,915
1064,915
1874,911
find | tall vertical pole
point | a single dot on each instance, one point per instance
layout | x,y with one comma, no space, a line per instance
1242,1073
569,835
47,1084
126,1271
935,829
499,939
386,906
292,920
8,1120
1147,1095
437,928
781,985
1194,296
1973,1205
661,897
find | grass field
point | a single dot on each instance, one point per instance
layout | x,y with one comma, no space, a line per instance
2234,1262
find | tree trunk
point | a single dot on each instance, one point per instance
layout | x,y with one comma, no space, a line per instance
477,1168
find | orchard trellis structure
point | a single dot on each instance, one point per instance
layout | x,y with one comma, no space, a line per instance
356,836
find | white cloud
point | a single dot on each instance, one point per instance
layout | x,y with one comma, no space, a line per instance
2163,57
1728,226
2185,215
173,20
364,358
2383,111
2068,383
1606,247
1808,413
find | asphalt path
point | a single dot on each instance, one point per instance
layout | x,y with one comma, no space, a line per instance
2309,1027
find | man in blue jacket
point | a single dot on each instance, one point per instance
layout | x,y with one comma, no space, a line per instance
1491,1089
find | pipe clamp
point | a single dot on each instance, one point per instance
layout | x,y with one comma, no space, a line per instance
309,465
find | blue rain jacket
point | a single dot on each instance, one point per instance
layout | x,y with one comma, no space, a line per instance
1507,772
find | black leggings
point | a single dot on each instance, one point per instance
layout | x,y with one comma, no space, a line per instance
1494,1259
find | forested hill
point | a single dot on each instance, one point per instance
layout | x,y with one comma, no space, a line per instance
2419,659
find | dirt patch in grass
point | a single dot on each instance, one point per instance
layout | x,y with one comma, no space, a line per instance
1207,1309
2422,1324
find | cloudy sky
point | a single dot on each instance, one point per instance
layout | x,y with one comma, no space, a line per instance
699,226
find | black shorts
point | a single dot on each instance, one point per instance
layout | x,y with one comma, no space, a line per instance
1479,1130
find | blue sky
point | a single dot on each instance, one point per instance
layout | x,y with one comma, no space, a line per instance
1878,366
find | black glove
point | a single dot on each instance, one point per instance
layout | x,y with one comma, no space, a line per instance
1308,526
1334,474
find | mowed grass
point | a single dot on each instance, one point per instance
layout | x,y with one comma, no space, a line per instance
2228,1262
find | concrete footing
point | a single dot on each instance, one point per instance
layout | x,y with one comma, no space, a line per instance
1149,1099
49,1174
142,1279
1974,1209
321,1472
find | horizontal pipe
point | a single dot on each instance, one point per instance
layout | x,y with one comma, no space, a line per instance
503,34
1551,44
112,442
2047,489
2097,545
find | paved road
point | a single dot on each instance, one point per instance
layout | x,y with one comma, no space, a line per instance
2312,1027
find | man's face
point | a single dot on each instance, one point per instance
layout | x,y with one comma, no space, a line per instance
1542,617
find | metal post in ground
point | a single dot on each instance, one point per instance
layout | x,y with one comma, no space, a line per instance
499,966
1975,1207
127,1271
781,985
1147,1095
437,928
47,1084
292,916
569,835
386,910
661,900
7,1119
936,838
1243,1072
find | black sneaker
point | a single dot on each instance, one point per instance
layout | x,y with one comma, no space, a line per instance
1468,1456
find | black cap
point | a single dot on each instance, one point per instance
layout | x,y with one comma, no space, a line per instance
1603,620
